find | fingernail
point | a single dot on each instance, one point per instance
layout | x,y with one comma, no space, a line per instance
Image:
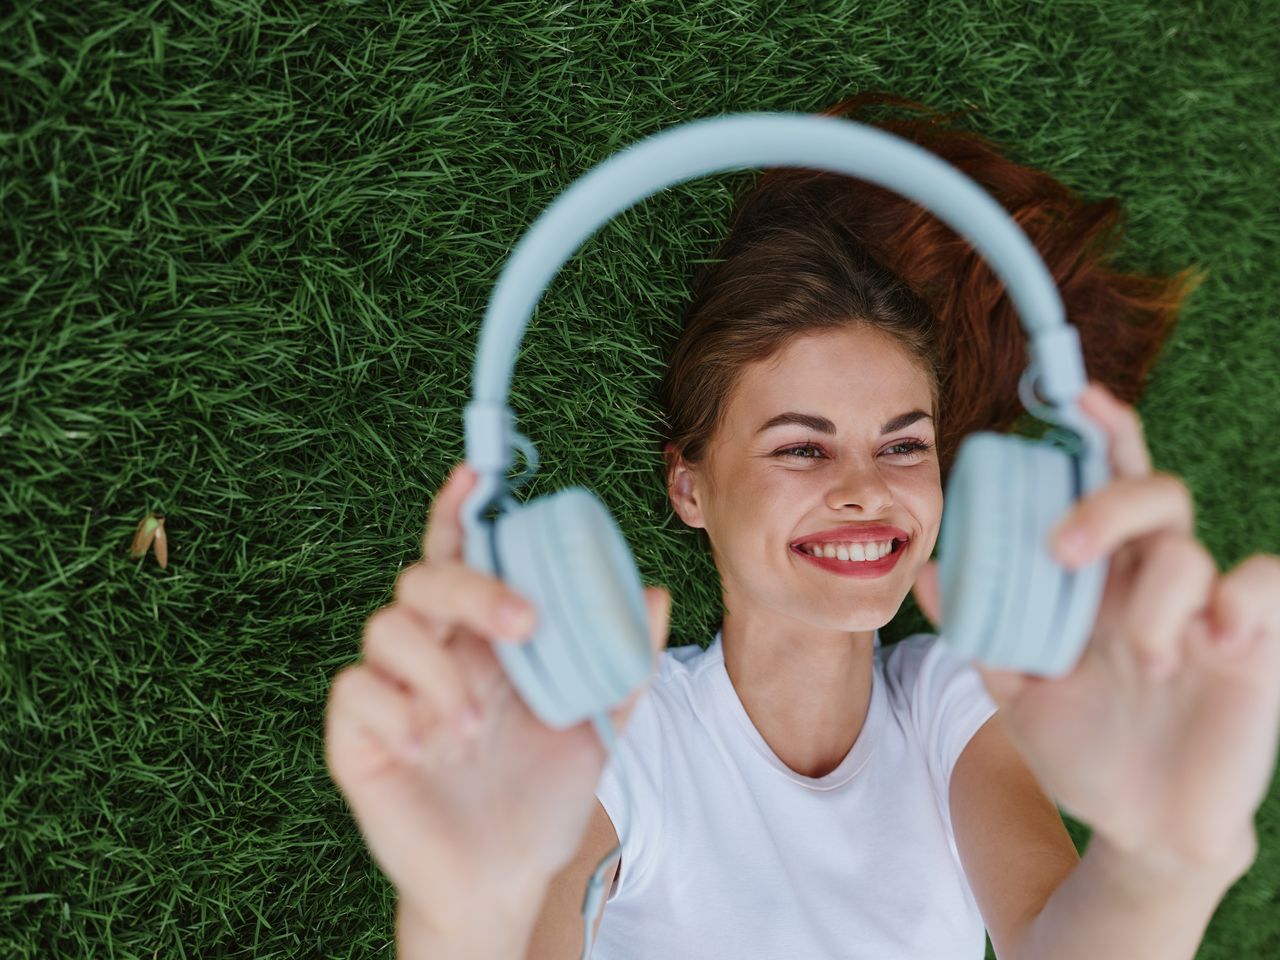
1160,665
410,750
514,617
1073,545
467,721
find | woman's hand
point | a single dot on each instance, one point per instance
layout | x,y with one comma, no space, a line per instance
1163,737
468,823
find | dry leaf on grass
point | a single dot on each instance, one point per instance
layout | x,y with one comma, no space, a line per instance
151,528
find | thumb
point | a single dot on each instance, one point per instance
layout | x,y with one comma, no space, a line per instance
1004,686
657,603
928,593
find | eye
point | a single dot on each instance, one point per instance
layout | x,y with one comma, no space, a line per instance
913,446
795,451
908,446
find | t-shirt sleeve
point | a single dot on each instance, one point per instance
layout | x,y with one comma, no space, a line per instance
949,703
636,809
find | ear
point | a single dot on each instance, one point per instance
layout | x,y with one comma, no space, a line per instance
681,482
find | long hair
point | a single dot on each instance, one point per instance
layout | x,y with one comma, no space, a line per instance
809,250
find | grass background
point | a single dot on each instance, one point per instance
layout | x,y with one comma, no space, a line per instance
245,249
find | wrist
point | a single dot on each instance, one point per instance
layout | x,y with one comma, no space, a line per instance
1145,870
495,929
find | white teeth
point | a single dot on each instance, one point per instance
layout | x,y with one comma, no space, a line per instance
849,551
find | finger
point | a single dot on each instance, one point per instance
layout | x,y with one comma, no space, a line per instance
1243,611
364,712
451,592
1171,588
1125,509
442,540
657,602
928,593
620,716
1003,686
1126,439
397,646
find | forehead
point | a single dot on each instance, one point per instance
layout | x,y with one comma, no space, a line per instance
869,369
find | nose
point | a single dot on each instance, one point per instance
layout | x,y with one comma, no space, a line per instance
861,486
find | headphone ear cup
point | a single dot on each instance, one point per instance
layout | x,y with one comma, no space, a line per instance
1005,600
590,649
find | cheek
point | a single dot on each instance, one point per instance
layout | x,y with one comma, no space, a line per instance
922,486
762,511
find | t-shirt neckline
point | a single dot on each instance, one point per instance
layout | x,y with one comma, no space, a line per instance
853,761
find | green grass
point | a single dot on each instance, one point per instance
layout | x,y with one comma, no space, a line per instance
244,254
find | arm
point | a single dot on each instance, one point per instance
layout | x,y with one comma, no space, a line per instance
505,936
1040,901
1122,904
543,920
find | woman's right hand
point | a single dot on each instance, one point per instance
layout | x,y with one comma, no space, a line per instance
472,822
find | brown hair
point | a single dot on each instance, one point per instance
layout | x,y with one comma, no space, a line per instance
810,250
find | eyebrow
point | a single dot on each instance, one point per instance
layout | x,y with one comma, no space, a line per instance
823,425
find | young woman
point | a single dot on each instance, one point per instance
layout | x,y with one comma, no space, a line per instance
799,789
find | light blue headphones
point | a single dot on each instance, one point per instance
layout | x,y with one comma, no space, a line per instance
1005,600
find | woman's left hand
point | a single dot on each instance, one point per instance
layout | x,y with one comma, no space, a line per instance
1163,737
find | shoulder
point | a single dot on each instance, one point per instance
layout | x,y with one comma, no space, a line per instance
676,695
686,658
670,692
924,661
943,694
679,666
908,659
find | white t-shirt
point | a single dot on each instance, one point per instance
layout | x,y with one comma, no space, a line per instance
731,855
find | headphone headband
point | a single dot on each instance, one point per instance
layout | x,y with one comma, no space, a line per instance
745,140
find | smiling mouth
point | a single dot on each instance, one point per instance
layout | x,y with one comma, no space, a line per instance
898,546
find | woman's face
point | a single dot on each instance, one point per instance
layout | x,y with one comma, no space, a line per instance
758,491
